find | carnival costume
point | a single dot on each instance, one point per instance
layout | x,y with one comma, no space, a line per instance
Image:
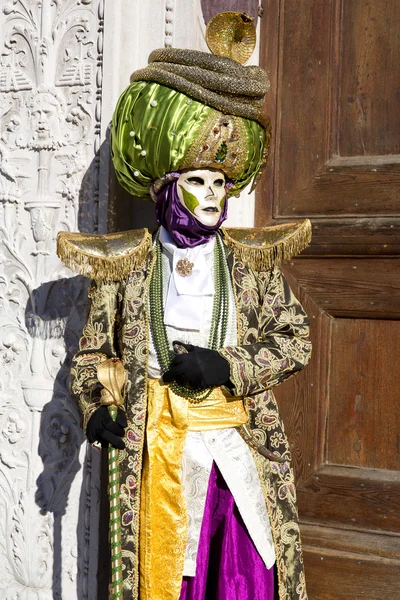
207,494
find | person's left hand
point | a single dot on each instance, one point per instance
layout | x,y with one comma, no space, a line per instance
200,368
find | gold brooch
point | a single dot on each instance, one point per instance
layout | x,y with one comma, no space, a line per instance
184,267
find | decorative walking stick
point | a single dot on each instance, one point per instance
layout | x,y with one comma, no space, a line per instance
112,376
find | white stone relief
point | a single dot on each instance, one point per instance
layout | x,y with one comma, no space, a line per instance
50,111
53,117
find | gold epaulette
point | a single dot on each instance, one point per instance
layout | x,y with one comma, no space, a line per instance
262,248
108,257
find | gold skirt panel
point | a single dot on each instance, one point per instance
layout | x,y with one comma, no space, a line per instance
163,516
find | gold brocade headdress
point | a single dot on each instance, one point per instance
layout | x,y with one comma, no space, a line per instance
189,109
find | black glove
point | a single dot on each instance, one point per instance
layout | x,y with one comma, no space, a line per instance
101,428
200,368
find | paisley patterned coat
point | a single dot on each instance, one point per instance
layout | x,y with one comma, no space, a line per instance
273,345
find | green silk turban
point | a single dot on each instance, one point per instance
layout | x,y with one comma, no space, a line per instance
159,129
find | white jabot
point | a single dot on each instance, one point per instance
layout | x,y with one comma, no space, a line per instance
184,307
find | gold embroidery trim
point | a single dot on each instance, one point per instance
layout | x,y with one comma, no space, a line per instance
216,130
140,460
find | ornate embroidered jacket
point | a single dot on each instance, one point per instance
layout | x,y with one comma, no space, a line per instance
273,345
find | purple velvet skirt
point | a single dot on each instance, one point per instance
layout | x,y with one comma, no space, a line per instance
228,564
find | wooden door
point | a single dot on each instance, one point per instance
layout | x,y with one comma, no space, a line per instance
335,107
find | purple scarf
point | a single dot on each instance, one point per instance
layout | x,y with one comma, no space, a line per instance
183,227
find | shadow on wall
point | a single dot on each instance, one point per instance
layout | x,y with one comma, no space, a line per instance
60,441
126,211
55,317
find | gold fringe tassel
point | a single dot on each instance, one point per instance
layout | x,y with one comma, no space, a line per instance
259,249
73,253
261,252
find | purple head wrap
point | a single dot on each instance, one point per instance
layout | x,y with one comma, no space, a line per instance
183,227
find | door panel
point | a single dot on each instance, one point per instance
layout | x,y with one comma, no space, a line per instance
364,395
335,108
352,287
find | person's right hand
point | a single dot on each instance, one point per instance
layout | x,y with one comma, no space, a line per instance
101,428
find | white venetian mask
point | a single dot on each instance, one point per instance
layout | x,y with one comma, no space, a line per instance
203,193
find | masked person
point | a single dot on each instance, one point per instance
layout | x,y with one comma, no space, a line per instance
205,325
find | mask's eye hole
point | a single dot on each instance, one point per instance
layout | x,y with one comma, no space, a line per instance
195,180
219,182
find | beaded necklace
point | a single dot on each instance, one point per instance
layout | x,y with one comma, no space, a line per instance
219,317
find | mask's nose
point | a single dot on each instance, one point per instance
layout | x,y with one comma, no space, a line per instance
211,193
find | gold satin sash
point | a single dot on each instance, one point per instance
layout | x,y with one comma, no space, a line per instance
163,516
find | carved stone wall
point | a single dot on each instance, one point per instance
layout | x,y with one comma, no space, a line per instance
50,112
54,160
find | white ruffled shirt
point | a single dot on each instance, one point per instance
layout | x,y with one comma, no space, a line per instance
188,304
